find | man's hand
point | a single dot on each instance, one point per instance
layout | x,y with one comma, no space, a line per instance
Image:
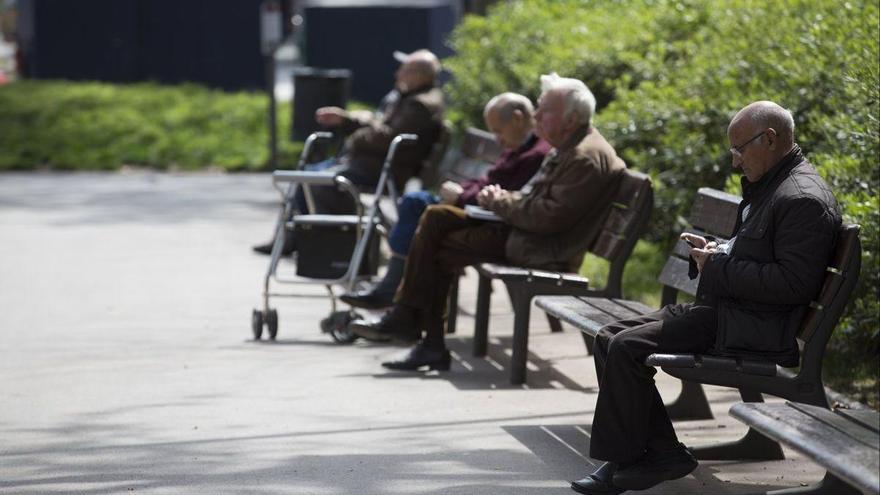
450,192
330,116
490,194
700,249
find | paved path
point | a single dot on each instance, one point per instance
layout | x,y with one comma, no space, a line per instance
126,365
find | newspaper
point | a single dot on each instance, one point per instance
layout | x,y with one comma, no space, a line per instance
478,213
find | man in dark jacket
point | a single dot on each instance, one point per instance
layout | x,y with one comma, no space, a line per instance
752,295
414,106
548,224
510,117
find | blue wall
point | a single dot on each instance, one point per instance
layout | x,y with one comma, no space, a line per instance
216,43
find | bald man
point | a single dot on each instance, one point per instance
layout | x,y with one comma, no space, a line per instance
415,106
752,294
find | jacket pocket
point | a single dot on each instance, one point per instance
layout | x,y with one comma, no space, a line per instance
750,331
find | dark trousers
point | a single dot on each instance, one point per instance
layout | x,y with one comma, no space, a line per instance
630,416
446,240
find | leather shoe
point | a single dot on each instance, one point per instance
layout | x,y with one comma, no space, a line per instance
656,466
420,356
598,483
368,299
593,485
397,325
286,250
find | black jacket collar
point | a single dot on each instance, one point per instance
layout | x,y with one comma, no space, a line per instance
754,190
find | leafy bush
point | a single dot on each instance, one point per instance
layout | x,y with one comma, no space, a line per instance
508,50
671,74
68,125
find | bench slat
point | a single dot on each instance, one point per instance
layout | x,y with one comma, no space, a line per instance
864,417
715,212
854,430
853,462
575,312
505,272
635,306
675,274
589,314
611,307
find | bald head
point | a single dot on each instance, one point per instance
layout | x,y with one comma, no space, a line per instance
766,114
510,116
760,135
508,104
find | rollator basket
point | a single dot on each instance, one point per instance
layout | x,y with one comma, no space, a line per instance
325,244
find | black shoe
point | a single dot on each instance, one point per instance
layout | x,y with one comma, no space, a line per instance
420,356
598,483
286,250
397,325
592,485
372,299
656,466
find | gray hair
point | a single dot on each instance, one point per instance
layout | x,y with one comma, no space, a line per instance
764,114
578,97
508,103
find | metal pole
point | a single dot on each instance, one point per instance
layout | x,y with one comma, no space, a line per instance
273,121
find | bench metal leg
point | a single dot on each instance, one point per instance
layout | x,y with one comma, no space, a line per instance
452,306
691,403
481,319
830,485
555,324
522,302
752,446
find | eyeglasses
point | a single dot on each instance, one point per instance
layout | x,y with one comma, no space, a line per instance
737,150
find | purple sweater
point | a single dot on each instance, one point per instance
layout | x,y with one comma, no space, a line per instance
511,171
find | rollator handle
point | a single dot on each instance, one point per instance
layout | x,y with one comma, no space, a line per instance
304,177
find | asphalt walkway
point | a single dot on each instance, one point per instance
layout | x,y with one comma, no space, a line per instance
127,365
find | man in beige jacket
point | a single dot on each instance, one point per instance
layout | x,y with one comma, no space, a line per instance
548,224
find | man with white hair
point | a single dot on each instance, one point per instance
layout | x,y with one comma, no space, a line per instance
548,224
415,106
510,116
752,295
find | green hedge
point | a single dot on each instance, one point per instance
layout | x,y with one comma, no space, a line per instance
66,125
669,75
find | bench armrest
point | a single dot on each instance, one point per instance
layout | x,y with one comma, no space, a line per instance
512,273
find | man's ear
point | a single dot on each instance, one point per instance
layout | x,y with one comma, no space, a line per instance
771,137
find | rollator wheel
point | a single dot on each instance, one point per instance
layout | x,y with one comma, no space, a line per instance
337,326
257,323
272,323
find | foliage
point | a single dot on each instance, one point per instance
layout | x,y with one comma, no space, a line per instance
671,74
639,276
67,125
577,38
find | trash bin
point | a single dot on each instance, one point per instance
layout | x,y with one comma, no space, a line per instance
312,89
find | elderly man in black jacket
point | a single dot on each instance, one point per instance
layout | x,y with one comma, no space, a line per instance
752,295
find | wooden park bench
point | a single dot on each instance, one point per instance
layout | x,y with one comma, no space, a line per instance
476,153
845,442
629,215
714,213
